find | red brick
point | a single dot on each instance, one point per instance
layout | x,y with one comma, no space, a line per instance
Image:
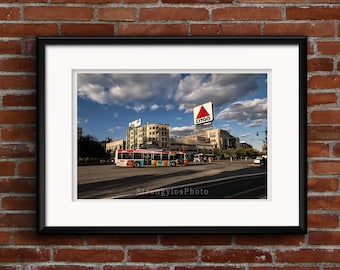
17,82
6,168
324,82
329,47
313,13
210,268
61,267
9,14
17,65
194,240
283,268
16,100
17,221
25,30
325,117
29,47
31,238
6,267
162,256
58,13
5,238
86,1
17,150
27,168
321,98
193,2
17,117
18,134
309,256
226,29
324,203
116,14
146,14
87,29
17,185
323,184
319,133
323,221
24,255
326,166
320,64
10,47
88,255
336,150
317,150
247,13
272,1
236,256
271,240
136,268
320,29
324,1
24,1
152,29
121,239
19,203
324,238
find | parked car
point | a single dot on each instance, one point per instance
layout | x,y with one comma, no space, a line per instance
257,160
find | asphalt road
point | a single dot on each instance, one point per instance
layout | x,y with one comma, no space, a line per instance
233,180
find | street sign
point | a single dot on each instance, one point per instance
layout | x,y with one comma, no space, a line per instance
203,113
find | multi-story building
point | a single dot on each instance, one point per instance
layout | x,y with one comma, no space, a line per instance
217,138
149,135
115,145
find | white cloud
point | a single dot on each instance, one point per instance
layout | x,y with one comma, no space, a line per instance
255,123
131,90
137,108
154,107
244,135
253,112
136,90
82,121
169,107
180,131
196,89
116,115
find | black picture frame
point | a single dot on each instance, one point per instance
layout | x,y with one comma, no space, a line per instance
58,210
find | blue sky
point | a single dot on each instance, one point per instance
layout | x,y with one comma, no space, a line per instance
108,102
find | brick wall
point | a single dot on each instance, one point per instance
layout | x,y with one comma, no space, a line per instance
22,20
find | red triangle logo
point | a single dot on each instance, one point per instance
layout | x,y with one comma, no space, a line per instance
202,113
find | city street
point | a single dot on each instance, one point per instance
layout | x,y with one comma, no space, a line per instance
220,179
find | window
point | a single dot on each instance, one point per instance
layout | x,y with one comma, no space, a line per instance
138,156
127,155
157,156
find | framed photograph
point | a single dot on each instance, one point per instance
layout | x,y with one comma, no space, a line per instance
172,135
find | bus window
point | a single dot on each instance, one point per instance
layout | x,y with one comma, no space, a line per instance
165,157
127,155
120,155
156,156
137,155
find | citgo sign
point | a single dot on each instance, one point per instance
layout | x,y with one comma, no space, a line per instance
203,113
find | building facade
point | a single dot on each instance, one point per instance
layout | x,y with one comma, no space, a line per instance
212,138
149,135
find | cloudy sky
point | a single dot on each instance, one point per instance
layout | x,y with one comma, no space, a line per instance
107,103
